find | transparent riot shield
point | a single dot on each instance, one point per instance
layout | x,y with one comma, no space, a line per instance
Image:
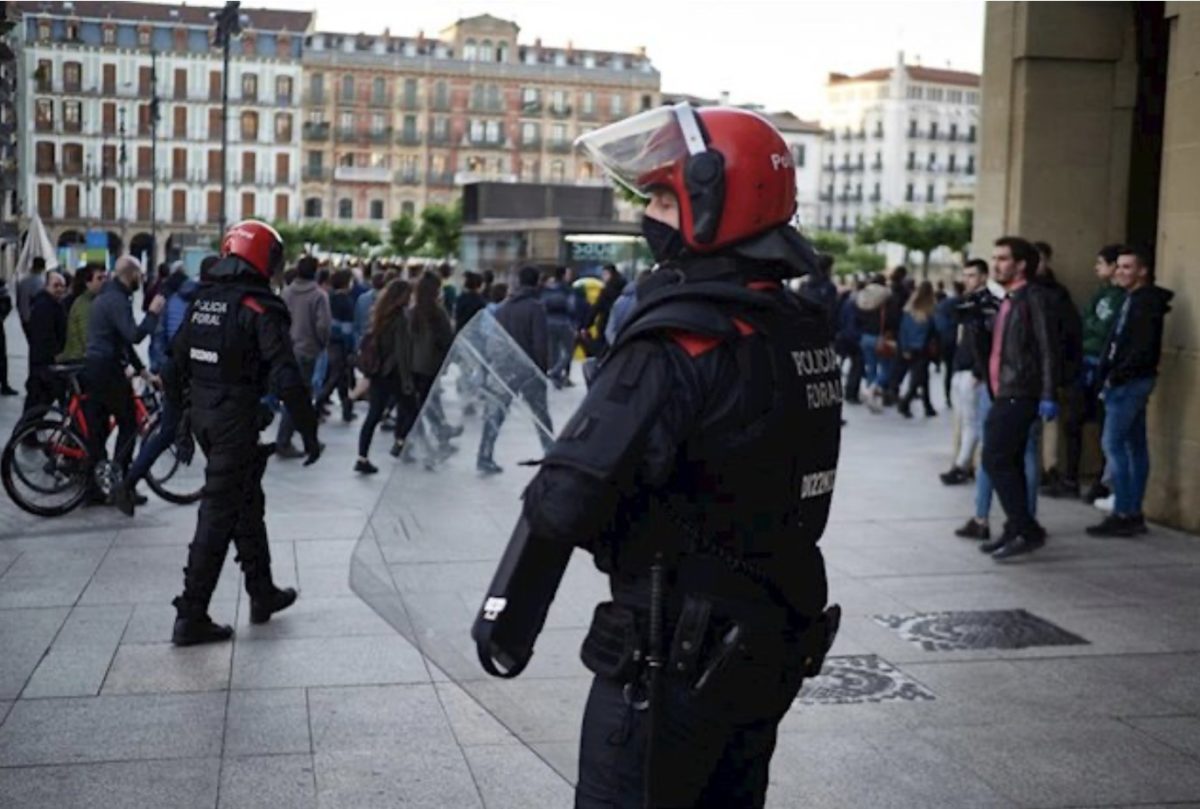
443,521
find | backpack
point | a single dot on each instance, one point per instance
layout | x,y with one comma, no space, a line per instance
369,360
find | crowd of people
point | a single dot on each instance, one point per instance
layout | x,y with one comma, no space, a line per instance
1024,372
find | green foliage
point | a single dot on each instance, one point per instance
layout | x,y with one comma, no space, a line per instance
833,244
951,229
859,260
442,226
404,237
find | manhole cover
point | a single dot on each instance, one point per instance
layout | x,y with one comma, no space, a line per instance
854,679
980,629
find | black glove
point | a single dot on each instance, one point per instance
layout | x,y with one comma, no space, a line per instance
185,444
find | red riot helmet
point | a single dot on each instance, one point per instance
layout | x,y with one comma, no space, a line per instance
256,243
730,169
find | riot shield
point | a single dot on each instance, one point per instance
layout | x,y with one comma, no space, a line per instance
443,521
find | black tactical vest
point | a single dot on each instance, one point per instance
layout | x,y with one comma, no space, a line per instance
222,350
753,487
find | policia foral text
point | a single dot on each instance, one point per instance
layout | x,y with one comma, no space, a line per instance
698,472
232,349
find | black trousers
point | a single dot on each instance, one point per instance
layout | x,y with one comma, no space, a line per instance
1005,435
109,394
703,761
232,508
385,390
917,368
340,378
3,356
41,388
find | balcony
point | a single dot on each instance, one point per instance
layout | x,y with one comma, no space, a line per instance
43,126
877,134
409,138
380,135
589,115
486,108
382,102
440,105
559,146
531,145
442,178
486,144
876,197
347,133
877,166
312,99
362,174
317,132
405,177
410,103
283,99
315,174
829,167
46,168
560,110
531,107
825,196
440,140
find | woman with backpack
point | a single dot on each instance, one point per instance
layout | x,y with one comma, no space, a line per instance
385,356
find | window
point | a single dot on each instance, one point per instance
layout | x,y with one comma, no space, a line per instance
587,103
44,115
843,226
214,85
972,98
441,96
283,89
72,31
312,208
908,193
316,87
951,165
377,209
953,131
45,156
558,101
408,208
316,162
216,165
970,164
410,93
441,129
557,171
283,169
798,155
377,122
71,120
469,50
378,90
144,37
108,79
912,160
143,204
912,128
72,77
108,203
346,122
477,96
179,164
71,202
486,52
247,204
617,105
213,206
249,126
249,167
933,130
915,93
410,128
531,99
44,34
178,206
45,203
249,87
558,133
932,160
72,155
971,134
476,131
108,161
492,132
179,122
493,97
144,160
215,124
954,96
875,193
345,209
530,133
347,88
502,52
283,207
934,94
929,193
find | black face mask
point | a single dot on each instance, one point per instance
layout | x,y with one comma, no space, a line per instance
665,242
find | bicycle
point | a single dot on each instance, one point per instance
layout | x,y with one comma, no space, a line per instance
47,469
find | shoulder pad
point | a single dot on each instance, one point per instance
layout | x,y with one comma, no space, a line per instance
251,303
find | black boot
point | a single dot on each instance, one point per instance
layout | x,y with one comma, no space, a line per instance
193,626
263,606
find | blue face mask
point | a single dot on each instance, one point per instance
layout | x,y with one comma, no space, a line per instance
665,242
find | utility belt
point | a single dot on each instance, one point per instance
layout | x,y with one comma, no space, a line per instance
726,659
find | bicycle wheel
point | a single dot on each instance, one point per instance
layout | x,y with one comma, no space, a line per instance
45,468
176,476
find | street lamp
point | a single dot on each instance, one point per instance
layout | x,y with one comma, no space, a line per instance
154,158
229,25
122,157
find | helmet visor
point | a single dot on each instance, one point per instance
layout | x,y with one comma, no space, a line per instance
637,151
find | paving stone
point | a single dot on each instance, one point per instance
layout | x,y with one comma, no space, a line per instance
398,718
414,779
1180,732
268,782
847,680
471,723
88,729
25,635
1084,762
160,668
511,776
81,655
267,722
313,617
149,575
300,662
48,577
181,784
4,706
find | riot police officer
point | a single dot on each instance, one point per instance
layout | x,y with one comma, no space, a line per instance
699,471
233,348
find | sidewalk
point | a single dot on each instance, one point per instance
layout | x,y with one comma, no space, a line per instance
926,702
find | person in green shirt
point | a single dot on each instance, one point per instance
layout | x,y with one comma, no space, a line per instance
77,320
1098,320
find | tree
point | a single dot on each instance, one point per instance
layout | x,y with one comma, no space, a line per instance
442,226
293,240
833,244
951,229
404,237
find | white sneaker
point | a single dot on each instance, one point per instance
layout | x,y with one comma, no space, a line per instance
1106,504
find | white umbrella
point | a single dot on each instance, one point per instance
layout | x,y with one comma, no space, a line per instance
37,243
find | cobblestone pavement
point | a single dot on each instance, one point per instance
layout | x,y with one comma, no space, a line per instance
1067,679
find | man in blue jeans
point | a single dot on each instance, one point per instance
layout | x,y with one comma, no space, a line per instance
1128,368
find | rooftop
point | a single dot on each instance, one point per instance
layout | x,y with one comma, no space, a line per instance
933,75
263,19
